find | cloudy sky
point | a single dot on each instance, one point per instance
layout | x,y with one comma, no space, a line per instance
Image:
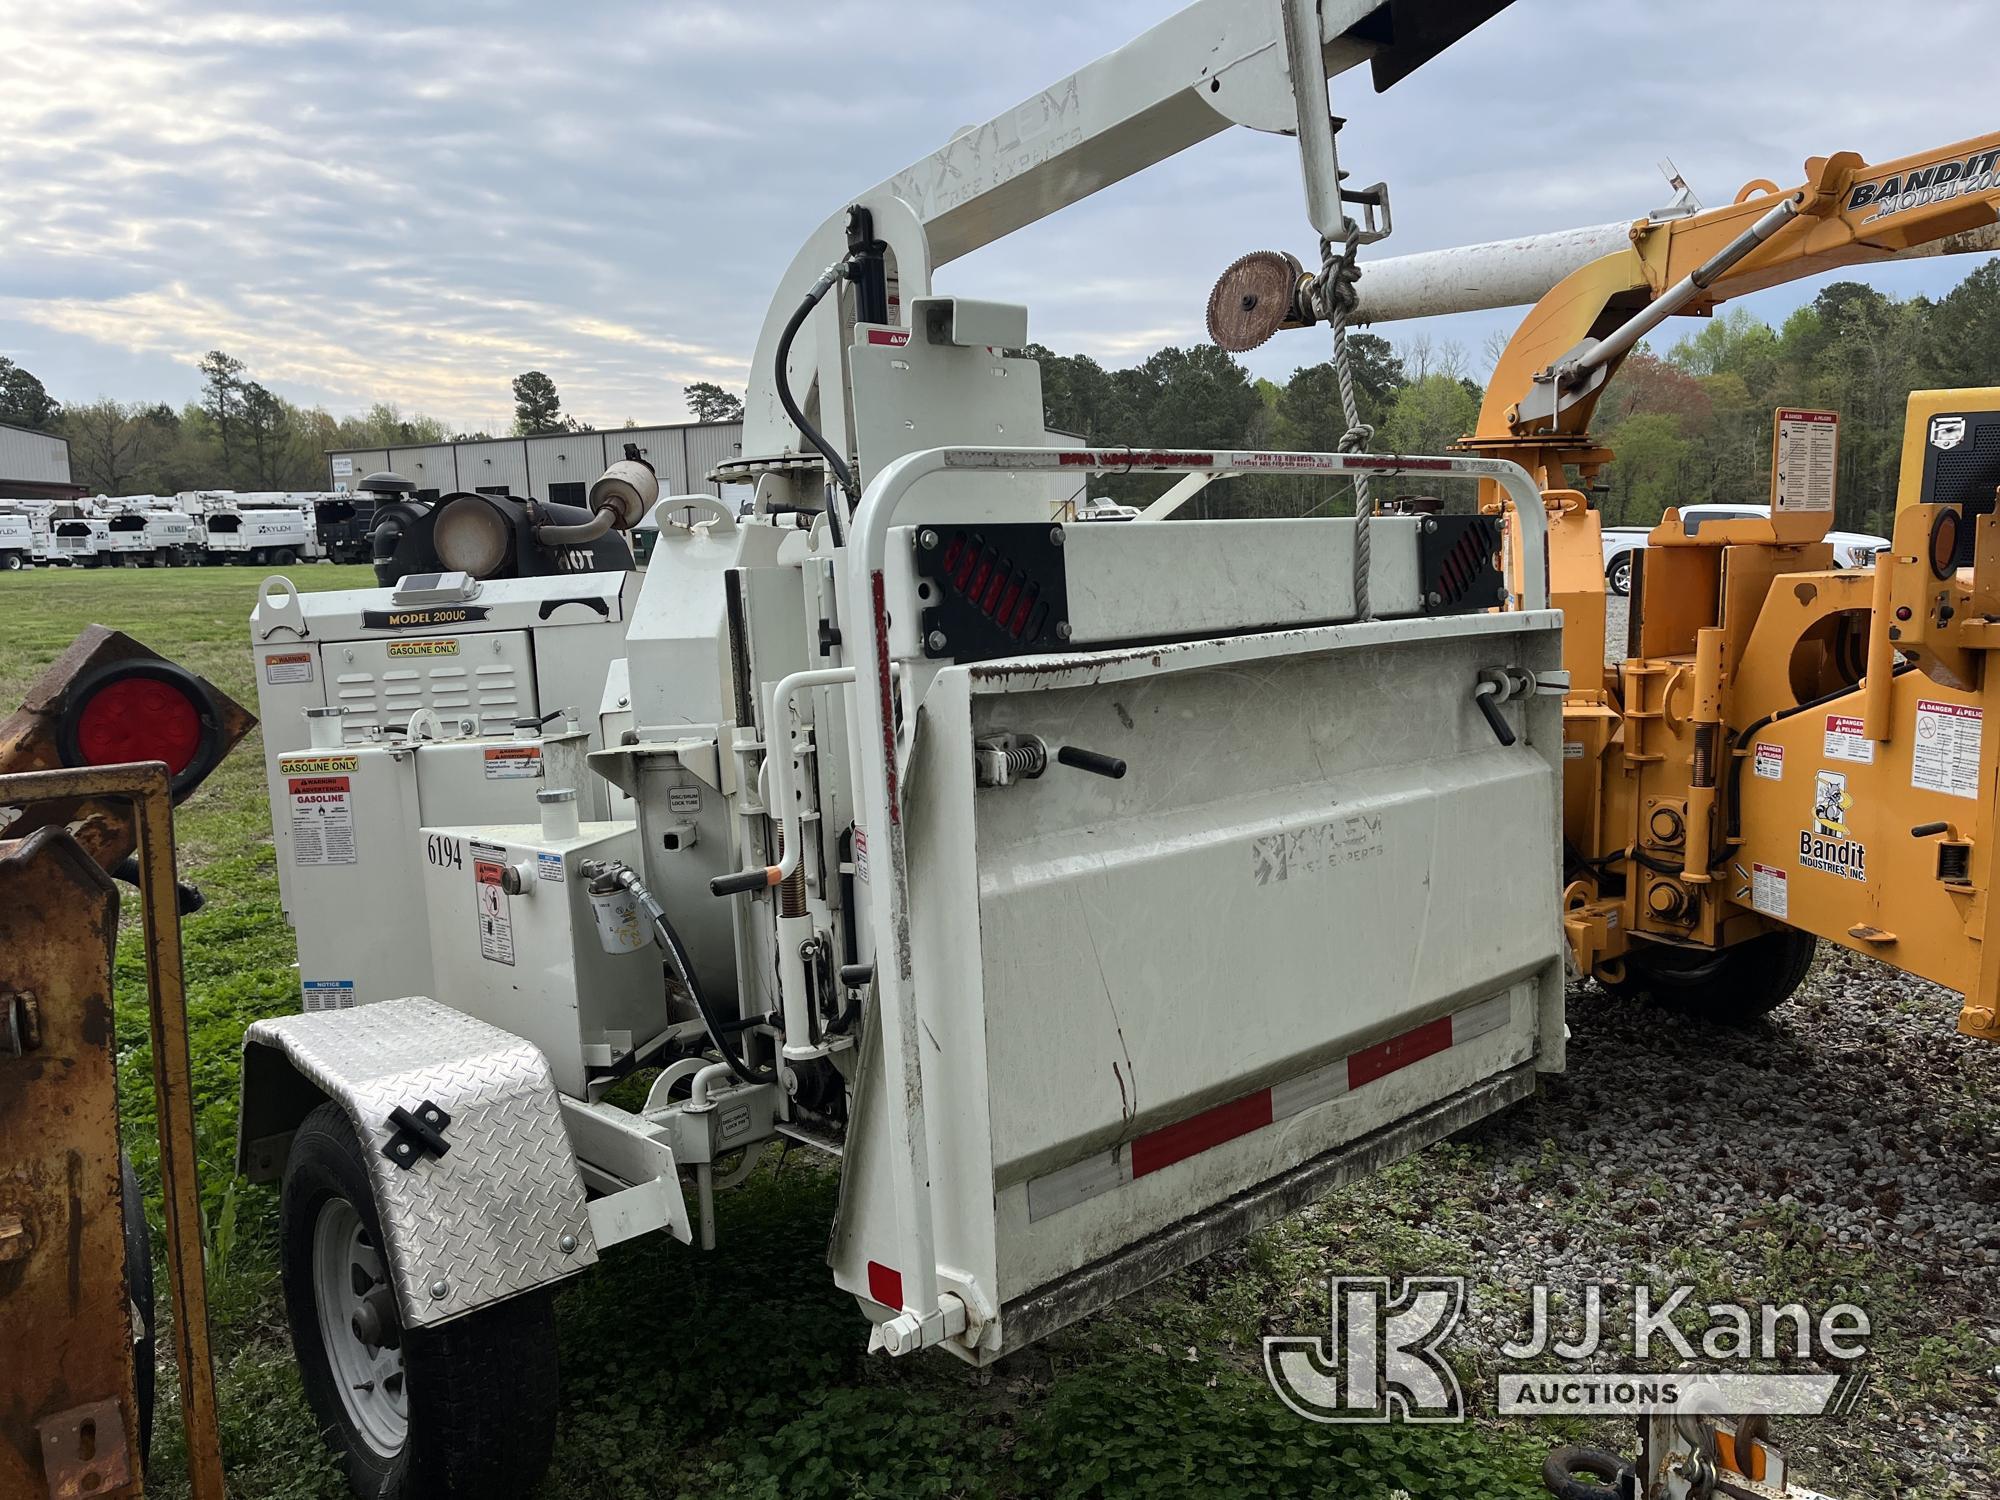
413,202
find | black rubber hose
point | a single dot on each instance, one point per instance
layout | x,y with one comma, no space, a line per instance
841,472
1559,1473
677,956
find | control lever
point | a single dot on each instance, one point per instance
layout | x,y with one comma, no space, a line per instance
1093,761
1496,685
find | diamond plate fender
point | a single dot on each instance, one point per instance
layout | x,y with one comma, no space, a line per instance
488,1219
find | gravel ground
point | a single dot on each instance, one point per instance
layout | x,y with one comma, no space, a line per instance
1841,1150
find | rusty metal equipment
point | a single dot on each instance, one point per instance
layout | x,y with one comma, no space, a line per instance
70,1412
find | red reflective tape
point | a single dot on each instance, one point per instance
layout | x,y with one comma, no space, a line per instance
1365,461
885,1286
1385,1058
1191,1137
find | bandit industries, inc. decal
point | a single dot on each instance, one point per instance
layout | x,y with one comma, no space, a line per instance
1827,846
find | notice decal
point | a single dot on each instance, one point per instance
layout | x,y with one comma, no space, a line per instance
328,994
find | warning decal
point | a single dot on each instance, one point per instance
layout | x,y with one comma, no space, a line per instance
1768,761
318,765
684,799
445,647
1845,741
1770,891
496,911
288,666
1802,463
1945,757
322,820
513,762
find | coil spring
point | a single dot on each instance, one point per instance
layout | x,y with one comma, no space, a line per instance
1028,758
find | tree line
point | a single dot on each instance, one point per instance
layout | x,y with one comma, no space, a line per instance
238,434
1690,424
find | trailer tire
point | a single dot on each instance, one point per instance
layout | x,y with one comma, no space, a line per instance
1744,984
478,1412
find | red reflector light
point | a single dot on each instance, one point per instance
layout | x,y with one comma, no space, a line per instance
137,719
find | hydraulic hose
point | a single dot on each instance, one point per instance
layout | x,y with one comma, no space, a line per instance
670,941
843,474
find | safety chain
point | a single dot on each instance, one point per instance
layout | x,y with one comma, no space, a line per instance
1337,296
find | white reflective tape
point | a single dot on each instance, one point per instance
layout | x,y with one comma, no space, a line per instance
1478,1020
1296,1095
1068,1186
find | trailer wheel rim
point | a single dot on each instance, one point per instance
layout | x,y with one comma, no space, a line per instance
347,1265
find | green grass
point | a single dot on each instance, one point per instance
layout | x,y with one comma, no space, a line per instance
740,1373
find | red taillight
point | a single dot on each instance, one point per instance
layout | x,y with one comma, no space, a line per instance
139,711
139,718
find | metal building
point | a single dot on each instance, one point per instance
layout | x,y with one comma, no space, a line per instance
557,467
35,466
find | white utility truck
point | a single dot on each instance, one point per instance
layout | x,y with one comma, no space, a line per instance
1090,893
147,531
17,540
277,535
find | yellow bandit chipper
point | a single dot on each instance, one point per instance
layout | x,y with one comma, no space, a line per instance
1787,751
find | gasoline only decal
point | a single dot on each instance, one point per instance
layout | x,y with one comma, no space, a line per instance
1945,756
496,911
322,820
445,647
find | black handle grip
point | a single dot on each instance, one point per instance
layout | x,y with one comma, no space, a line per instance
1925,830
856,975
1092,761
739,880
1495,720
